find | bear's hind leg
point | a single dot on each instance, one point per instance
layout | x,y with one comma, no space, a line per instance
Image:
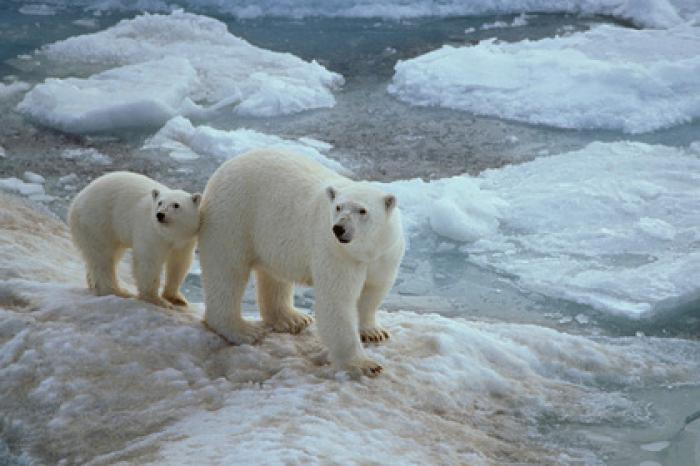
101,266
223,292
276,304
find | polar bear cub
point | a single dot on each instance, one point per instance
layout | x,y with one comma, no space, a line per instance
291,220
123,210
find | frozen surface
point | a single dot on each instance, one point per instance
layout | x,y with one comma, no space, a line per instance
609,78
181,58
75,368
644,13
184,141
613,225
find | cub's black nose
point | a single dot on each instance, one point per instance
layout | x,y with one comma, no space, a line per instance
338,231
160,216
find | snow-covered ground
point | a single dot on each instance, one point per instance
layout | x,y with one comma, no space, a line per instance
609,78
643,13
97,380
159,66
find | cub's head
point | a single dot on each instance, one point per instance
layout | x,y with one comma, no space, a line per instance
364,220
176,213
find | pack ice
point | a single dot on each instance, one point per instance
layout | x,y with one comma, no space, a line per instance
643,13
105,380
613,225
609,77
185,64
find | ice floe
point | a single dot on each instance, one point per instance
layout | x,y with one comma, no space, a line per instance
613,225
75,368
608,77
143,94
179,60
10,89
184,141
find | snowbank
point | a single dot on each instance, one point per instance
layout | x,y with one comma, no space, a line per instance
613,225
75,369
644,13
609,77
180,58
185,142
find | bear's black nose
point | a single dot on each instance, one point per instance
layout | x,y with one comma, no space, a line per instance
339,231
160,216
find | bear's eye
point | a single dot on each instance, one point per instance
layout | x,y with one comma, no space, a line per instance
337,208
363,211
160,203
176,206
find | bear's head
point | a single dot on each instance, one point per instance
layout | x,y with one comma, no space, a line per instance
176,213
364,220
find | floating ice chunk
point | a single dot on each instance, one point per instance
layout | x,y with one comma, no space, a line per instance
15,185
518,21
609,77
229,69
145,94
655,446
89,23
37,9
7,90
31,177
86,154
185,141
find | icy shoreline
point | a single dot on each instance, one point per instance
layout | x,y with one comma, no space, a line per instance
75,369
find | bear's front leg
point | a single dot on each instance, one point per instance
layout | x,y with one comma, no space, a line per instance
147,265
337,322
370,299
176,267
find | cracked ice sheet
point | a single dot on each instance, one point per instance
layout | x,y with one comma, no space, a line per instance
181,58
613,225
609,77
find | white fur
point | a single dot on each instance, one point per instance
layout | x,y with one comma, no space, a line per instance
118,211
273,212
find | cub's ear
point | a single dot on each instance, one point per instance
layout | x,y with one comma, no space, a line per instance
331,192
389,202
196,198
155,193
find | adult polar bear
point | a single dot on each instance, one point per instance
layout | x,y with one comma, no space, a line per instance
291,220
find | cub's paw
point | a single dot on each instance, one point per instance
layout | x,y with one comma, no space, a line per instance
245,333
365,366
158,301
122,293
291,321
373,335
177,299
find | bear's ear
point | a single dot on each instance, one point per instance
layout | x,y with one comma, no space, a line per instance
196,198
389,202
331,193
155,193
